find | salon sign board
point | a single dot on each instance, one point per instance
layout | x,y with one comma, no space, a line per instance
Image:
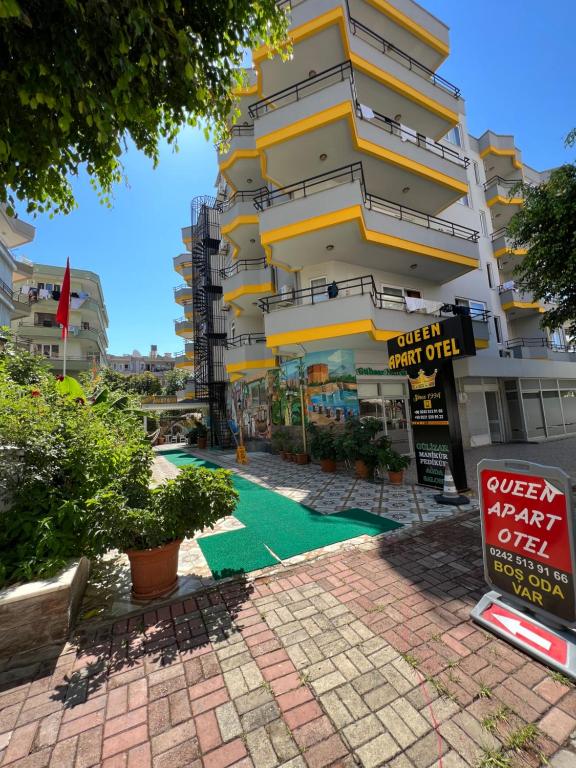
528,538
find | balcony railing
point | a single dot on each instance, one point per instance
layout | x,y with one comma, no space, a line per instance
242,195
360,286
384,46
354,172
246,339
534,342
339,73
502,232
242,130
243,265
508,183
6,290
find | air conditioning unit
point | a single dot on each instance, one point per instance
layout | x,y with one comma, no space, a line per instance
506,353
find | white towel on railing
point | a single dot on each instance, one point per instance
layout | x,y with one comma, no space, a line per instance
413,304
366,112
408,134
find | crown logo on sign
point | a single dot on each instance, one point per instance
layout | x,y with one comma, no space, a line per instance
422,381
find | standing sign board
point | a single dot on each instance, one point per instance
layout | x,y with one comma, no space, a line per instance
427,354
529,558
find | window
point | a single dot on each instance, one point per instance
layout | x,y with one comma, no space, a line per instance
490,276
476,172
40,285
465,200
390,291
318,286
483,226
454,136
557,338
476,309
498,329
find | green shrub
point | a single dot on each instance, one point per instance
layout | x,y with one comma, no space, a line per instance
324,443
56,454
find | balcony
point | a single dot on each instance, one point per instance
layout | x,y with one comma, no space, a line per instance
182,294
187,394
540,348
246,354
508,256
183,261
239,223
501,156
518,304
46,329
184,327
245,281
334,213
238,160
296,127
503,198
351,313
406,82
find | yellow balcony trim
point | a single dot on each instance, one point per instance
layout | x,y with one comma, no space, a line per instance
239,221
250,365
189,314
355,213
238,154
249,90
334,330
336,16
245,290
490,150
522,305
511,251
345,111
481,343
235,377
186,240
184,364
504,201
180,267
416,29
181,300
278,264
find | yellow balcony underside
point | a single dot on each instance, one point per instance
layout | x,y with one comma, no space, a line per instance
499,199
181,267
412,26
184,364
336,16
344,111
502,153
239,154
510,252
523,305
250,365
355,213
245,290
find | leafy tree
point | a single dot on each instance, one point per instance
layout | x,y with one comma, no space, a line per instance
144,384
546,227
174,381
78,76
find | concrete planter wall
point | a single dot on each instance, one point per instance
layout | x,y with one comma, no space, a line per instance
41,612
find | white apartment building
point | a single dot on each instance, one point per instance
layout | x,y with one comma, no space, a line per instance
135,362
13,233
87,339
355,205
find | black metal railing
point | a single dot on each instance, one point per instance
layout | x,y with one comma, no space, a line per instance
299,90
508,183
384,46
511,286
182,287
354,172
184,320
361,286
245,339
502,232
243,265
6,289
241,195
242,130
536,341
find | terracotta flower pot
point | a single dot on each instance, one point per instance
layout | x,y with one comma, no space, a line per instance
328,465
302,458
362,469
291,457
202,442
282,455
154,571
396,478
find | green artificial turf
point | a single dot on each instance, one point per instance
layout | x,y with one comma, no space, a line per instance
183,459
287,527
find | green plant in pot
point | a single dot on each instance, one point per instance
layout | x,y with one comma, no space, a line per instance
201,434
362,444
279,441
395,463
324,447
300,455
151,533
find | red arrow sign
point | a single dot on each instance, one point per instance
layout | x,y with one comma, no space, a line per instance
524,631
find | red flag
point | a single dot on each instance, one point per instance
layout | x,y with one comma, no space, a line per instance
63,312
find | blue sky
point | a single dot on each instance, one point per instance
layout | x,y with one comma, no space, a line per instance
512,61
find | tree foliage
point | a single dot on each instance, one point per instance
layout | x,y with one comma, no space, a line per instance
79,76
174,381
546,227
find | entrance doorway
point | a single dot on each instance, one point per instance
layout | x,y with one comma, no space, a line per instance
389,403
494,417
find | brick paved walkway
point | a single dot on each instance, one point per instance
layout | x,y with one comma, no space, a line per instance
360,658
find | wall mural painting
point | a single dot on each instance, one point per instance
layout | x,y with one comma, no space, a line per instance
251,405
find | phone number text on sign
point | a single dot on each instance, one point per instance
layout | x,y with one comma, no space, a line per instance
527,551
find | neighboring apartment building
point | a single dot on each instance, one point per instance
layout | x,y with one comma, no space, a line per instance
138,363
87,339
354,206
13,233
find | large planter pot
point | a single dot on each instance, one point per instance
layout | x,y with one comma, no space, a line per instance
328,465
362,469
282,455
302,458
396,478
202,442
154,571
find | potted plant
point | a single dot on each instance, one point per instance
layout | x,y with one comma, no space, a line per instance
279,441
151,534
323,447
395,463
300,455
202,435
363,445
